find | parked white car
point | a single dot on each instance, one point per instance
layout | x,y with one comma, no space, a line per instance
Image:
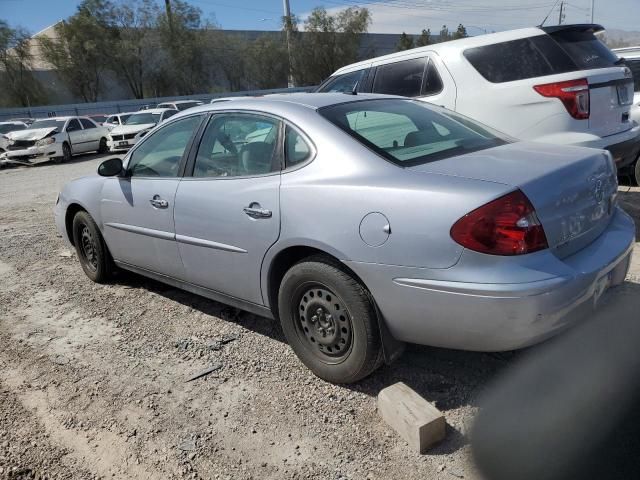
116,120
554,84
8,127
56,138
136,126
631,56
180,104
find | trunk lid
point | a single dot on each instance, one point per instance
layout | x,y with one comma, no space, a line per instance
611,97
573,189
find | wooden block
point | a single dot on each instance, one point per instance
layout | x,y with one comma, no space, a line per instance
416,420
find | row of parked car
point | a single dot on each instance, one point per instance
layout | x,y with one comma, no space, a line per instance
59,138
363,220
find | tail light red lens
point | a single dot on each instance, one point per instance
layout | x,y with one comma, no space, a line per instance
506,226
574,94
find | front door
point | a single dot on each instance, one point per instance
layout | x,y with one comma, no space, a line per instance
137,209
227,213
76,135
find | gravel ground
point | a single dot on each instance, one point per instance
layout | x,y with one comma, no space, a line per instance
93,378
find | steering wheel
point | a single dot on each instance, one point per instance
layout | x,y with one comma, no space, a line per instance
227,143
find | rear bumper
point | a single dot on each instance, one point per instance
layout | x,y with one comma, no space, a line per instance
625,153
500,316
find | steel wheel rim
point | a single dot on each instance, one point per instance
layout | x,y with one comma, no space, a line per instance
323,322
88,248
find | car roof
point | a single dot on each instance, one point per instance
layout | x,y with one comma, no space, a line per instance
12,122
279,101
151,110
450,46
176,102
631,52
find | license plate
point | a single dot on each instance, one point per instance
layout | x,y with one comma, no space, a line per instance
624,94
123,144
601,286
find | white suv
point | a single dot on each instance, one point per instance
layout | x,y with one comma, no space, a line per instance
553,84
631,56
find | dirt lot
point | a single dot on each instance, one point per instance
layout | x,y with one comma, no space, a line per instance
92,378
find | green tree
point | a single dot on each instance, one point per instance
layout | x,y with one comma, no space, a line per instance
461,32
267,67
424,39
82,49
138,57
329,42
18,85
405,42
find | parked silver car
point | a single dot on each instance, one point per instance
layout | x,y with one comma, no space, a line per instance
361,222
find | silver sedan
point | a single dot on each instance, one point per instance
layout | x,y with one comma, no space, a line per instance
360,221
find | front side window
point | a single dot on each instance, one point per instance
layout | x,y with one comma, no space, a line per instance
343,83
160,153
410,133
235,145
74,125
296,149
87,123
400,78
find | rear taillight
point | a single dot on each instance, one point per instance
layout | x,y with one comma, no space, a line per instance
574,94
506,226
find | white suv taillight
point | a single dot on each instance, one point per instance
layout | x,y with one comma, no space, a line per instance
574,94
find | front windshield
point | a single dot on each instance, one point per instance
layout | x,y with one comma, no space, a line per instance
59,124
408,132
142,119
11,127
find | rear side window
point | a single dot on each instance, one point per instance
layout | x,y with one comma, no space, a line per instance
87,123
296,150
343,83
634,65
400,78
520,59
585,49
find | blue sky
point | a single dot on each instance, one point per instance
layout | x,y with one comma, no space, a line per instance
392,16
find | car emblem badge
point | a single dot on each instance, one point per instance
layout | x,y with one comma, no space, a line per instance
598,191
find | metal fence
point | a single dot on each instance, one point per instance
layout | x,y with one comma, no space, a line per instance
116,106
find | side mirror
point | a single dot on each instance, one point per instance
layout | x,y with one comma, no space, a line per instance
110,168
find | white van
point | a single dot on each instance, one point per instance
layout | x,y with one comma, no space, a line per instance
553,84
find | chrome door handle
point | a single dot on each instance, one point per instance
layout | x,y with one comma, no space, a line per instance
158,202
255,211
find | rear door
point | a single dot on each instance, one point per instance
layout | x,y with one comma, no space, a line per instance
416,75
610,85
76,135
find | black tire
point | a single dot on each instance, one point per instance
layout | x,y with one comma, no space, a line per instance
636,171
102,148
318,298
92,252
66,154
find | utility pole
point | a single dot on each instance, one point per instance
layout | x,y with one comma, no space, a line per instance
593,4
561,16
287,28
167,6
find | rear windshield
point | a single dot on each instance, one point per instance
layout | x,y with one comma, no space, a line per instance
585,49
410,133
548,54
